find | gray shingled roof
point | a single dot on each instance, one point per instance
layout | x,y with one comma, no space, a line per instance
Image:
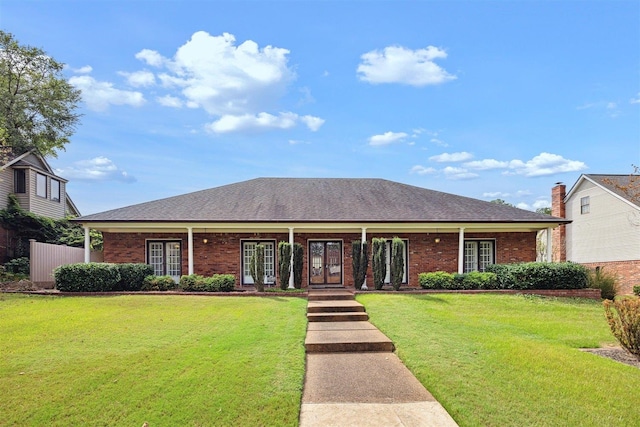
614,182
318,200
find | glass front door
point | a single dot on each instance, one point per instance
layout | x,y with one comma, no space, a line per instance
325,263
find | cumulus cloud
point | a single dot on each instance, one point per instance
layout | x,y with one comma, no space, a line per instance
262,121
139,78
150,57
451,157
458,173
635,100
96,169
99,95
545,164
486,164
397,64
169,101
422,170
387,138
83,70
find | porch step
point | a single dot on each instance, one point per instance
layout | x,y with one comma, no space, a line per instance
349,316
330,295
346,337
334,306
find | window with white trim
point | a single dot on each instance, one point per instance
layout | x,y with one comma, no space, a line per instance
585,205
41,185
165,257
387,278
478,254
248,249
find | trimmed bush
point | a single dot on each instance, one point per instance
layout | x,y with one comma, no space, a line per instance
540,275
89,277
256,267
298,254
132,276
479,280
605,281
623,316
436,280
360,261
18,266
636,290
284,264
379,261
157,283
215,283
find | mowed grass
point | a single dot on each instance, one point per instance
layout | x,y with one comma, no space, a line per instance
499,360
167,360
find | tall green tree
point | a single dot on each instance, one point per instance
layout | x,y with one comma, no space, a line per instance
37,104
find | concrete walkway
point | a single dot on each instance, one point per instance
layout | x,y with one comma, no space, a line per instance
353,378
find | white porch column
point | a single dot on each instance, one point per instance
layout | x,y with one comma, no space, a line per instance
549,245
291,264
362,240
190,245
87,246
461,251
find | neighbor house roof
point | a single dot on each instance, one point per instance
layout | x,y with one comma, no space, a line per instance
319,200
614,184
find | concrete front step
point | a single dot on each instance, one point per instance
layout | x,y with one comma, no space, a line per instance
350,316
330,295
347,341
333,306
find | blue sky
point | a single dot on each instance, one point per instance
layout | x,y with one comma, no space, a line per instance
486,99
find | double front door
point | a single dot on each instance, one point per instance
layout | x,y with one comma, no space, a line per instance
325,262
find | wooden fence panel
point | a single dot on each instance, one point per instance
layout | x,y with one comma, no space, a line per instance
46,257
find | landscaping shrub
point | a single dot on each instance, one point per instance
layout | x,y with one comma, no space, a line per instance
215,283
480,280
360,261
89,277
540,275
435,280
284,264
605,281
18,266
157,283
132,276
298,254
379,261
636,290
256,267
397,262
623,316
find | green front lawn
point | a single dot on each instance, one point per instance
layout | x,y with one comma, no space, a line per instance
167,360
500,360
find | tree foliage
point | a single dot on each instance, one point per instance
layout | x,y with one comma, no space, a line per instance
379,261
397,262
37,104
298,258
360,262
284,264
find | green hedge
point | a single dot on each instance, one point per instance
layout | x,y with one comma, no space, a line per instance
90,277
532,275
158,283
636,290
132,276
215,283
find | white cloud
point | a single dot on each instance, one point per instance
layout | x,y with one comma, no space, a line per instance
496,194
486,164
396,64
542,203
545,164
151,57
169,101
458,173
387,138
139,78
262,121
635,100
451,157
99,95
422,170
297,142
96,169
439,142
83,70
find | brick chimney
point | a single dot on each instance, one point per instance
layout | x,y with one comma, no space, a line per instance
559,233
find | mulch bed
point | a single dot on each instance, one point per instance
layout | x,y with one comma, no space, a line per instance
615,353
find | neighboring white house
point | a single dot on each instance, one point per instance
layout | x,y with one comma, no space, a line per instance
605,226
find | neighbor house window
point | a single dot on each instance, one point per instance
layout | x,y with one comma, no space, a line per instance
387,278
41,185
248,249
584,205
478,254
55,190
20,180
165,258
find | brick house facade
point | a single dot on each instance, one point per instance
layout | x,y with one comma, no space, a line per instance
214,231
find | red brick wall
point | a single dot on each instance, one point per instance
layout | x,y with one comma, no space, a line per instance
559,234
221,254
628,273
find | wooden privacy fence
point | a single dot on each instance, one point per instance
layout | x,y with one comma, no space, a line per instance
46,257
